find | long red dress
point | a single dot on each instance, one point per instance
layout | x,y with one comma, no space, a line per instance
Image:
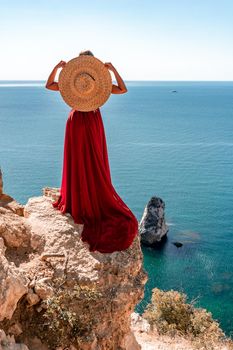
86,189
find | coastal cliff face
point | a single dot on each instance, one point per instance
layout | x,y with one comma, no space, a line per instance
54,293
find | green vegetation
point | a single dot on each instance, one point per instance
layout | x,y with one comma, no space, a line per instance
68,315
169,313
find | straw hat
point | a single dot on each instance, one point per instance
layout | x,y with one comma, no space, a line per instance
85,83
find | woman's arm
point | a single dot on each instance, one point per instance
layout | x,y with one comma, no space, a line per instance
120,88
51,84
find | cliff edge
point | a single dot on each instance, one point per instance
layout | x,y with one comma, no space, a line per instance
54,292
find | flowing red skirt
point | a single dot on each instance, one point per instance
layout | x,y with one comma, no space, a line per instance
86,189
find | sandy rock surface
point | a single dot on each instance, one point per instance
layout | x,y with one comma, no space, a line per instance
49,281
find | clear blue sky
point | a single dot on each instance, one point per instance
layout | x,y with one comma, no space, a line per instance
145,40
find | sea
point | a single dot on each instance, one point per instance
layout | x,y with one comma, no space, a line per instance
173,140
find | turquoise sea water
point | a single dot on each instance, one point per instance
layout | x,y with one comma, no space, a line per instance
177,146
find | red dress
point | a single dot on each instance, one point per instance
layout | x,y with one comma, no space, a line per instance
86,189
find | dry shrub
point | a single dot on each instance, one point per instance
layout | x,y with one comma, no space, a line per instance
169,313
68,314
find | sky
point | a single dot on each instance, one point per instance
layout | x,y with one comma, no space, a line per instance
144,40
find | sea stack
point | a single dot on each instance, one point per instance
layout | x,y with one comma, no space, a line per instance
152,227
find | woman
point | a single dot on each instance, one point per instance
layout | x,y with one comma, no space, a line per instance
86,189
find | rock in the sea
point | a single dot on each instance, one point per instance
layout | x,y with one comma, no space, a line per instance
178,244
152,227
58,293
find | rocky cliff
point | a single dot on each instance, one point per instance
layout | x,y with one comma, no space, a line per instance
54,293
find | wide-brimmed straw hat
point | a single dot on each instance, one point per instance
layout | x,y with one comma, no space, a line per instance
85,83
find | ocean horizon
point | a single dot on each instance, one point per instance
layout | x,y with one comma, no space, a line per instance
170,139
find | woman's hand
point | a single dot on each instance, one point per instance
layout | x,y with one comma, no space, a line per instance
110,66
51,84
120,88
61,64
